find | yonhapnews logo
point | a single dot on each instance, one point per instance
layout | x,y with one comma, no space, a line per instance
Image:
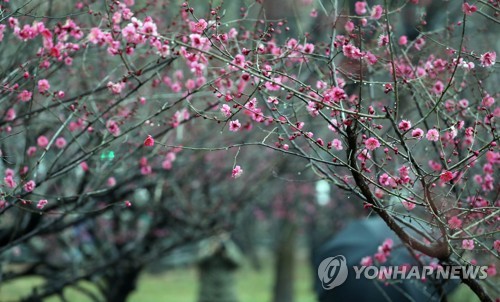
333,271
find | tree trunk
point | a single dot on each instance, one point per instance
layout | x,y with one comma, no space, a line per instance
217,280
285,264
121,284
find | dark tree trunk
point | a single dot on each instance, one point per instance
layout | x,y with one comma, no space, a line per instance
121,284
284,279
217,278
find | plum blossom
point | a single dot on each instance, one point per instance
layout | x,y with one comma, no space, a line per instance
372,143
376,12
234,126
446,176
10,115
438,88
115,88
60,142
41,203
43,85
237,172
432,135
24,95
113,127
111,182
29,186
488,59
455,223
403,40
42,141
496,245
364,155
468,244
488,101
149,141
198,27
226,110
417,133
360,7
404,125
366,261
337,144
468,9
408,205
9,181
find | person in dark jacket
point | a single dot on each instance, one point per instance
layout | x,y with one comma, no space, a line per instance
335,262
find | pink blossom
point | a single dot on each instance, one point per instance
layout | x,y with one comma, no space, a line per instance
60,142
492,270
128,204
149,141
403,40
380,257
488,101
29,186
198,27
419,43
455,223
42,141
111,182
377,12
149,28
166,165
352,51
226,110
237,171
364,155
432,135
349,26
366,261
383,40
468,9
10,115
438,88
84,166
43,85
239,60
496,245
408,205
417,133
10,182
113,127
2,29
404,125
115,88
337,144
234,125
24,95
488,59
372,143
335,94
31,151
446,176
146,170
309,48
468,244
360,7
41,203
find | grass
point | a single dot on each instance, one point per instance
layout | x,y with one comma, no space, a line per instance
181,285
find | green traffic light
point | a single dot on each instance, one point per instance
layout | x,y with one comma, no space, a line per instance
108,155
